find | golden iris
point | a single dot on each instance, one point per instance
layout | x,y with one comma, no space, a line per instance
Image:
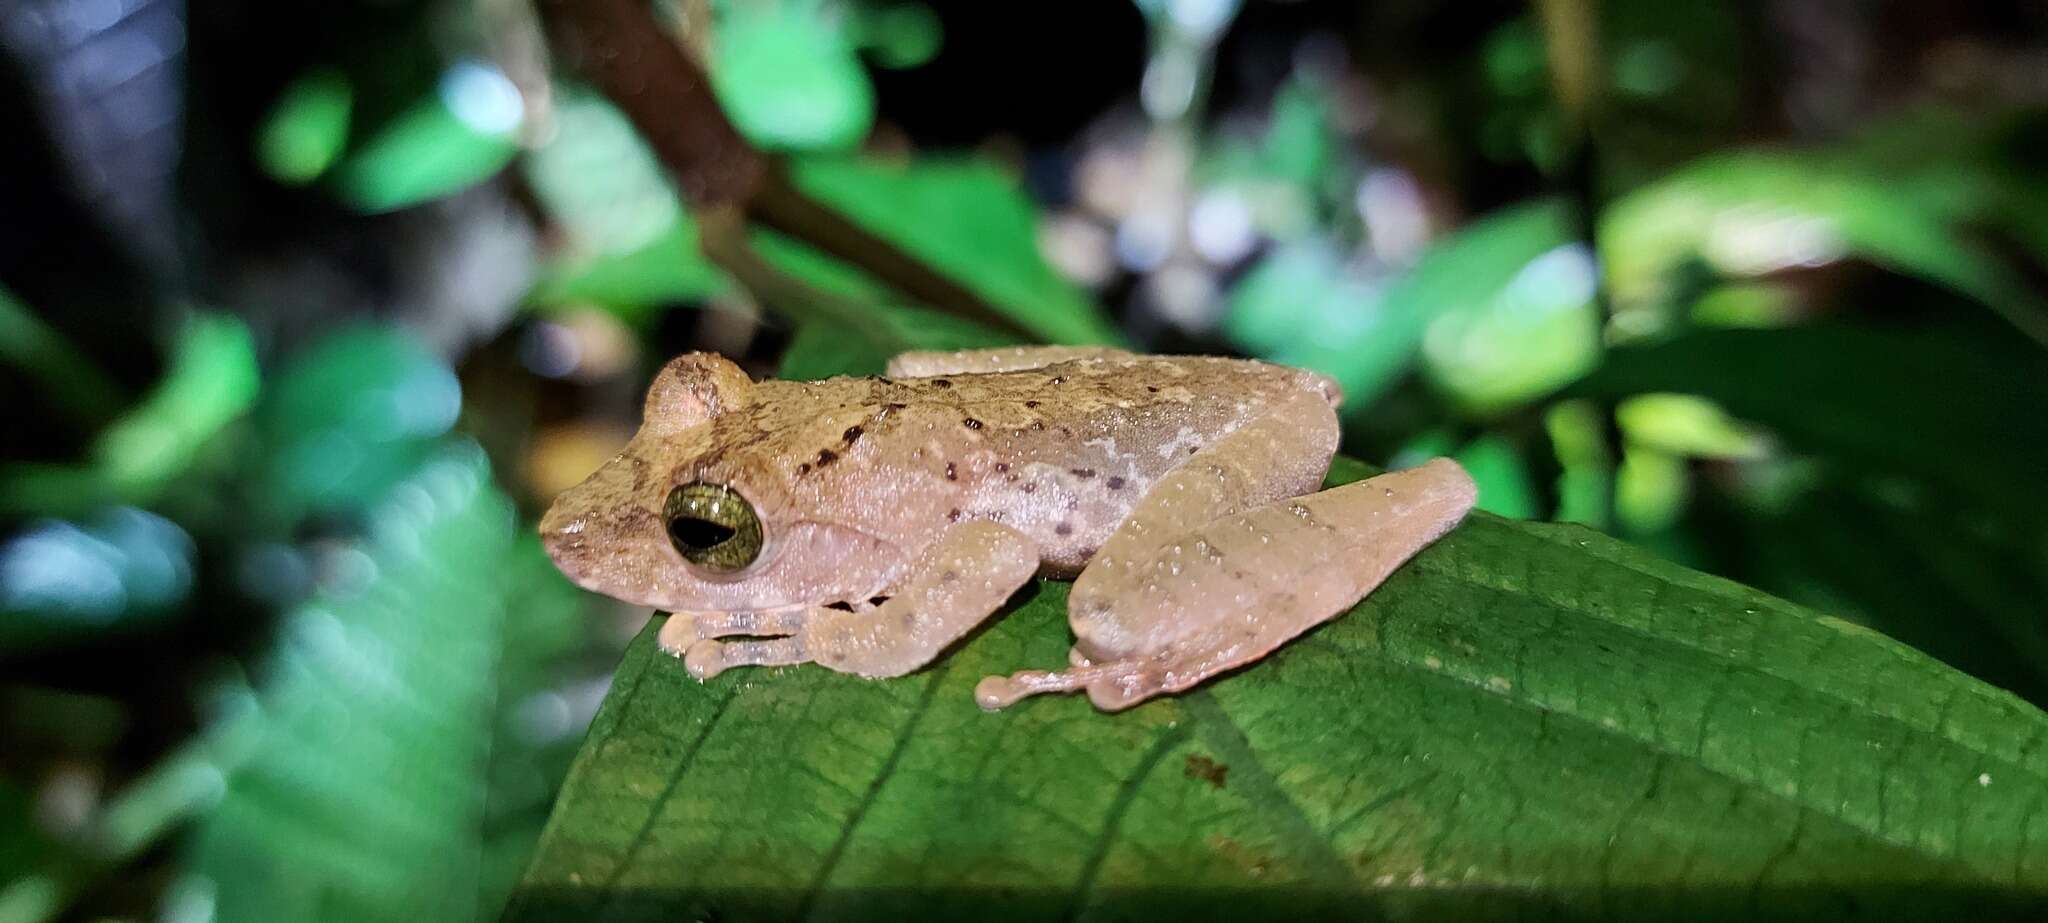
713,526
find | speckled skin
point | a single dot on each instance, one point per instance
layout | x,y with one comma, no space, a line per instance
946,484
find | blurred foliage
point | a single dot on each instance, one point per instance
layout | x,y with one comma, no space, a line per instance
787,75
387,770
277,644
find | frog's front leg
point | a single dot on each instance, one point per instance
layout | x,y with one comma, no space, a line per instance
1189,587
686,628
962,577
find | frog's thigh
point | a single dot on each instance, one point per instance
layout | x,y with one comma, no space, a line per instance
1245,584
1116,607
965,575
1001,359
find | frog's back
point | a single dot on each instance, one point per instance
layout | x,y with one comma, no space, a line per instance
1060,452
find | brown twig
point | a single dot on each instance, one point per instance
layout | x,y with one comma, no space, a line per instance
620,47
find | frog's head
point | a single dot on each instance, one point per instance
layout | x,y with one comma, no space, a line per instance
653,527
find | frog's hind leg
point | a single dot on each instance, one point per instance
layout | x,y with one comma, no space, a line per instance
1001,359
962,578
1244,584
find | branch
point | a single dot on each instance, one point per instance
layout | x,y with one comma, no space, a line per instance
622,48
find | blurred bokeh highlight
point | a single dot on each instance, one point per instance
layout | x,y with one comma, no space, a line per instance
306,310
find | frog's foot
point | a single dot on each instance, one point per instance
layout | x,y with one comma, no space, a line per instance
1236,588
965,575
684,629
1120,684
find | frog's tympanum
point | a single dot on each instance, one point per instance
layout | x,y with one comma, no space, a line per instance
866,524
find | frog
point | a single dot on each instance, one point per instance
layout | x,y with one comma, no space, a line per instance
869,524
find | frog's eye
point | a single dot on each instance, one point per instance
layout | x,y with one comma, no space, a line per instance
713,526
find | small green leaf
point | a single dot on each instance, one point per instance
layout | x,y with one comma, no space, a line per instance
212,381
631,247
1526,719
1538,332
788,78
1681,424
637,284
1585,483
1367,338
308,128
598,179
444,143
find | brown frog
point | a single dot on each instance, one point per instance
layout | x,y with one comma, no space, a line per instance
866,524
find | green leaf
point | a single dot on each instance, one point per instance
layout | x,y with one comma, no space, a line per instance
787,76
351,415
212,380
308,129
372,784
1958,406
1366,339
1893,556
1528,718
1684,425
637,283
968,220
443,143
1539,331
630,246
1751,213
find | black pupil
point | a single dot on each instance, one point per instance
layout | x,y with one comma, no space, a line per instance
698,533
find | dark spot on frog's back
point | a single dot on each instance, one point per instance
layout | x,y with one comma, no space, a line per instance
1114,483
971,423
1031,404
951,473
1065,528
941,383
826,457
1084,473
851,435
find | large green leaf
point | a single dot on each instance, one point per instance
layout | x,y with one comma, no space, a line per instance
1529,719
381,775
1878,552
